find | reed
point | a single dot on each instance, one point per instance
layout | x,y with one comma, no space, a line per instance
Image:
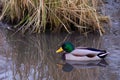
56,15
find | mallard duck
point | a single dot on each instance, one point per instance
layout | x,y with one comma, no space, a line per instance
81,53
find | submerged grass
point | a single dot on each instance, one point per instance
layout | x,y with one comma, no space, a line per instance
55,15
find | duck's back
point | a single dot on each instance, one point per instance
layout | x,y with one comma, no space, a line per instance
85,51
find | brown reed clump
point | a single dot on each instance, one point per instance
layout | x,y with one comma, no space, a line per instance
55,15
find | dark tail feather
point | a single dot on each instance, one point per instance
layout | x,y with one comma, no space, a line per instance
104,51
102,55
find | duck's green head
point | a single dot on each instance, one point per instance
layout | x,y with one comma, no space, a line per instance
67,47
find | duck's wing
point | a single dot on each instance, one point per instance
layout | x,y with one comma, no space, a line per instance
86,51
92,49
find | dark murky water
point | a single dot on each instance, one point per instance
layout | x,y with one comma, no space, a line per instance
33,57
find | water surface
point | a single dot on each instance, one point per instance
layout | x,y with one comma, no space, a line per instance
33,57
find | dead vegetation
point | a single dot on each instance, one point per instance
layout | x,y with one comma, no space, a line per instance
56,15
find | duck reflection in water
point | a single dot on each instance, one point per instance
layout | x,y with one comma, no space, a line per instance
68,66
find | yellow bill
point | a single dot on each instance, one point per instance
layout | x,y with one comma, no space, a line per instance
59,50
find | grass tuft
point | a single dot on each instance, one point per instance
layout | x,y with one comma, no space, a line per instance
38,16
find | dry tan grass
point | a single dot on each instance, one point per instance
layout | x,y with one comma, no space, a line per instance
36,15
